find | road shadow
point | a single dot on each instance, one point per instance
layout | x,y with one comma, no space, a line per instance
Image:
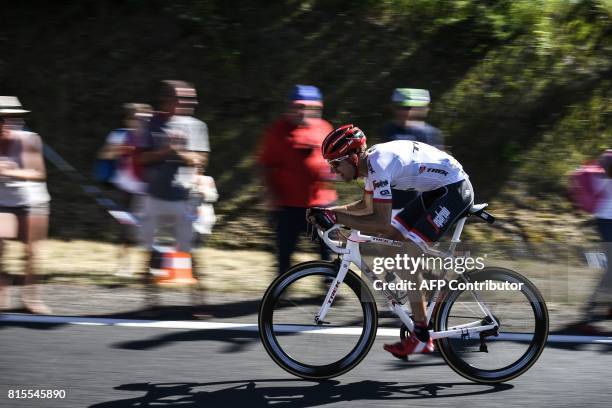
290,393
225,310
237,340
582,328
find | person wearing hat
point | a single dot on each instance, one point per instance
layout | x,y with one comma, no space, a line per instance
294,171
410,109
24,200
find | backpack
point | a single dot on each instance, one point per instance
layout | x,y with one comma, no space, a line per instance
583,189
104,170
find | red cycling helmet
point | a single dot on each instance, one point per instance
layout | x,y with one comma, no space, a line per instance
346,142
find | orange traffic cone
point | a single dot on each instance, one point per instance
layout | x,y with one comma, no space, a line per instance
175,267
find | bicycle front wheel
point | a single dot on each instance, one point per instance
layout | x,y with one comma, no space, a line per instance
509,351
296,343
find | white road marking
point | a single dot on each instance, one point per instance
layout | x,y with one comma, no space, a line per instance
199,325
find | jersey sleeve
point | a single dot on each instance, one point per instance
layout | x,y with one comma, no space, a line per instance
378,181
198,137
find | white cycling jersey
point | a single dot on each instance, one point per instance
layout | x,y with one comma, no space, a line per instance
407,165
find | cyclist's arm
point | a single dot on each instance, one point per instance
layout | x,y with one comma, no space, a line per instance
360,207
377,222
33,164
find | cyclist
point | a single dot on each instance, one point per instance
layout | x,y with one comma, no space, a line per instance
446,194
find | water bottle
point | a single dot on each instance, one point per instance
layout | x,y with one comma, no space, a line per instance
400,295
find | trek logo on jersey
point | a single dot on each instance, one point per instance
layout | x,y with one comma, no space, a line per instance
422,169
379,184
440,218
438,171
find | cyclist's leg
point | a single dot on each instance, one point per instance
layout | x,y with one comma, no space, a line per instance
442,207
409,215
424,221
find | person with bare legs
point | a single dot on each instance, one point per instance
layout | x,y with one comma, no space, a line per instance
24,200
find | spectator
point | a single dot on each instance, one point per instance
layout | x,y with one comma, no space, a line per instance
603,216
294,169
126,180
175,145
410,109
203,195
24,200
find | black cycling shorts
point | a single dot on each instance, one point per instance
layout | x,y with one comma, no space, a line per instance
427,217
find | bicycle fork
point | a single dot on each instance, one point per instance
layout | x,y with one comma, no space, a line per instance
332,292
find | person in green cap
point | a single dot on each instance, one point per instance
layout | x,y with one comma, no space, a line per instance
410,109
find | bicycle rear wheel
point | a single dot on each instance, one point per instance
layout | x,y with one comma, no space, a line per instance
522,334
292,338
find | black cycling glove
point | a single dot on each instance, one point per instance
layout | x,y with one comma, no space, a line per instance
321,217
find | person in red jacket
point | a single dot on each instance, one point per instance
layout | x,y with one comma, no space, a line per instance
295,173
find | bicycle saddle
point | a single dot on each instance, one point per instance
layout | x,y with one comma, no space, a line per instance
478,211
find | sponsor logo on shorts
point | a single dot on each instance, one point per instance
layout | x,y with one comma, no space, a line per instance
440,218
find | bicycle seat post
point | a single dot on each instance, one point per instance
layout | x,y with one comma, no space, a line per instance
456,235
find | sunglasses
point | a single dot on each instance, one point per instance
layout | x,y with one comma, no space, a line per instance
334,163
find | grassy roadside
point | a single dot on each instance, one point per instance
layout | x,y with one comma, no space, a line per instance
87,262
250,271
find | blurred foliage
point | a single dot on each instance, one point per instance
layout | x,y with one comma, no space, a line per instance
520,88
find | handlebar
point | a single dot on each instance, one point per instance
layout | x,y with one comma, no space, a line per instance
334,245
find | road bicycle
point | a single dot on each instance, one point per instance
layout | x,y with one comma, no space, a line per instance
317,330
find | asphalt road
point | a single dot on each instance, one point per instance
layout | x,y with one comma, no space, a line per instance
110,366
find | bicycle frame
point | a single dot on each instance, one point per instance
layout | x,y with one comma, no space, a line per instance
350,254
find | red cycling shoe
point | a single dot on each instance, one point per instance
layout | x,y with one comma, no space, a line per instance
410,345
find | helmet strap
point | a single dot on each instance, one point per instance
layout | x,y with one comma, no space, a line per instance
355,162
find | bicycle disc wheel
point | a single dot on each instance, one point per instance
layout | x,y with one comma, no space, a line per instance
292,338
522,334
